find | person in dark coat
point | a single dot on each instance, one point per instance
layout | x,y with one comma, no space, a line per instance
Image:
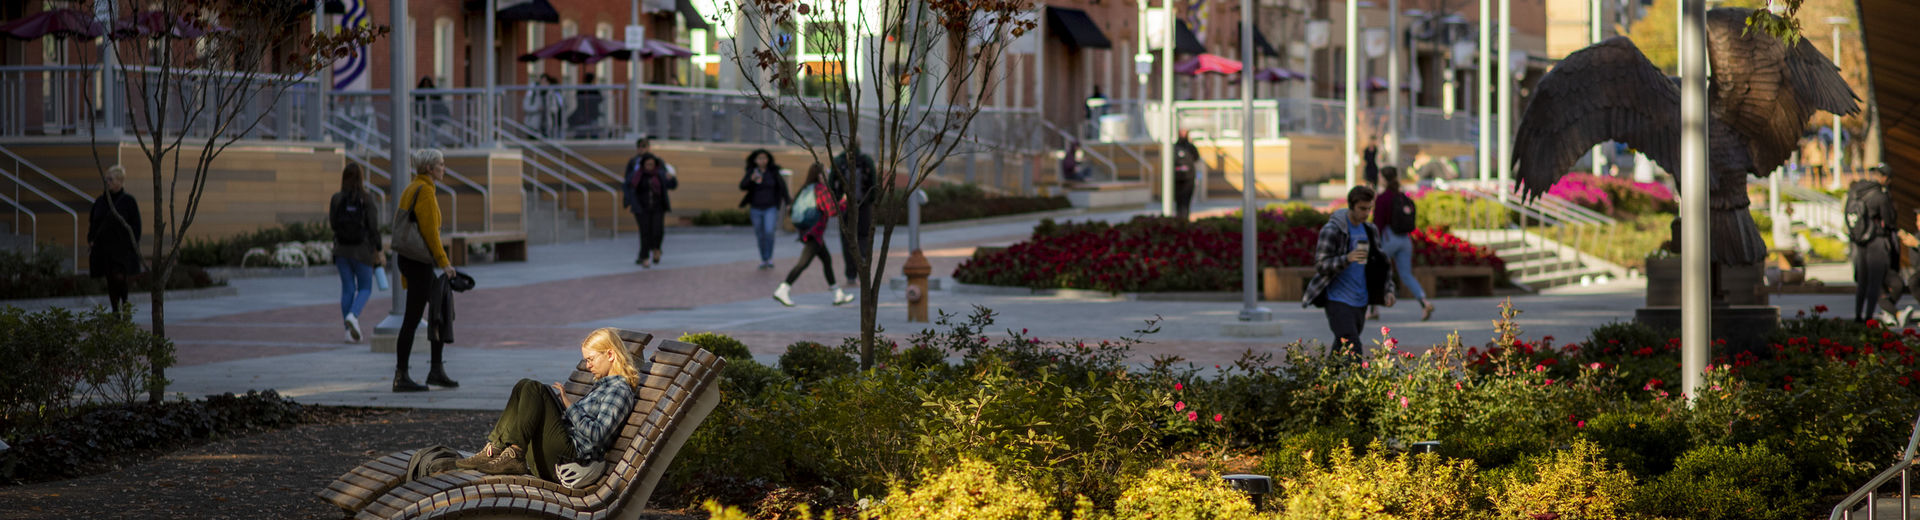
853,180
1372,157
114,248
355,221
766,193
1185,157
1874,253
646,187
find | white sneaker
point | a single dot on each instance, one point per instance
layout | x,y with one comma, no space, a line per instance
353,329
841,297
780,294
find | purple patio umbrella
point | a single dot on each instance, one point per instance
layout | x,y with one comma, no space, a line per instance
660,49
582,49
160,24
1277,74
61,23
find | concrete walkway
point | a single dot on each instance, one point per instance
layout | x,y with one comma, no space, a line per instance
525,320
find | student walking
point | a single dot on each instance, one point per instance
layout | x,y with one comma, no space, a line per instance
1870,227
1394,214
355,221
766,194
420,213
647,184
1350,271
113,238
811,210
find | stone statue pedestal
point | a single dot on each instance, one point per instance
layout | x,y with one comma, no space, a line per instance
1741,314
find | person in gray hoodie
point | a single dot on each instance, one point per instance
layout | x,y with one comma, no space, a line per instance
1350,272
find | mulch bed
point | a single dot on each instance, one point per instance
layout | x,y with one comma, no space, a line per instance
268,475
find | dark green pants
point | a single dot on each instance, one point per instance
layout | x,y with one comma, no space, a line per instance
534,422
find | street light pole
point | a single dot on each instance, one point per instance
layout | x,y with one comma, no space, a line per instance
1166,110
1694,256
1838,150
1594,33
1483,91
489,115
399,43
1250,310
1505,124
1393,84
1353,92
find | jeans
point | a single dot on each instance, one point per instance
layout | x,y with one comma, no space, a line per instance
764,220
1346,322
535,421
1400,248
808,250
652,228
356,285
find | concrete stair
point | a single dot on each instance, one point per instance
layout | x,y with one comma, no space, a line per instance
1538,263
541,212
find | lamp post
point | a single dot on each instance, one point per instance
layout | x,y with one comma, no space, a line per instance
1505,124
1593,36
1166,110
1392,137
1694,256
399,44
1834,182
490,118
1250,310
1483,92
1353,92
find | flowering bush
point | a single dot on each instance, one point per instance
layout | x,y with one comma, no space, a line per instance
1150,254
1615,196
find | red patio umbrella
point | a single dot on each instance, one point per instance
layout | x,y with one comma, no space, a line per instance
582,50
1205,63
160,24
660,49
61,23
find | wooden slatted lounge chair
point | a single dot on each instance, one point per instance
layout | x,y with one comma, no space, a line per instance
679,388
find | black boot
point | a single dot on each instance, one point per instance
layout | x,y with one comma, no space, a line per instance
438,377
402,383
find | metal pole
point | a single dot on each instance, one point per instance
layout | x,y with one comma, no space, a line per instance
1505,124
490,118
1595,31
1483,92
633,76
1778,217
399,44
1694,255
1392,139
1166,111
1250,309
1353,93
1838,150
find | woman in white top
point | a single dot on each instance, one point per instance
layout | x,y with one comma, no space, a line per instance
542,106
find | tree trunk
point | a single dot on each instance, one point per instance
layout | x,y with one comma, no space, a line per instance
159,284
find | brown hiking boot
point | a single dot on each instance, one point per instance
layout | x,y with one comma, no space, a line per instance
511,461
478,459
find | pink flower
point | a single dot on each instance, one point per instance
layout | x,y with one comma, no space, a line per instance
1182,405
1384,331
1539,368
1403,401
1218,417
1581,424
1595,365
1193,416
1178,387
1391,343
1549,382
1456,385
1363,364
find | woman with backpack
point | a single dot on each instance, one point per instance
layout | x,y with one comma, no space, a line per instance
766,194
810,213
1393,211
355,220
1871,223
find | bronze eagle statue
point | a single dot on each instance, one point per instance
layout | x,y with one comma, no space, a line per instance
1761,93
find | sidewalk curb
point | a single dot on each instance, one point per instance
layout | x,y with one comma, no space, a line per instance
101,299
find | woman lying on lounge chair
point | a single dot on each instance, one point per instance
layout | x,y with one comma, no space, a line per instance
541,429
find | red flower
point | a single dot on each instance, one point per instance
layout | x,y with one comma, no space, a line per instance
1193,416
1217,417
1819,309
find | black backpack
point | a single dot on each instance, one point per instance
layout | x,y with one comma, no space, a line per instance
1864,199
350,221
1404,218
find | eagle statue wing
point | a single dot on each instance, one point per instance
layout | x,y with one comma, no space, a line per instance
1767,90
1608,91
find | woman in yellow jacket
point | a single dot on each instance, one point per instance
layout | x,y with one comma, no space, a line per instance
429,166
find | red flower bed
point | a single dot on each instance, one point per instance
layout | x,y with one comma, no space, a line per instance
1151,254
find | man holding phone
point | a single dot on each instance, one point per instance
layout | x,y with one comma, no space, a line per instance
1350,271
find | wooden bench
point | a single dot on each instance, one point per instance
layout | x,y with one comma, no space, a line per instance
507,245
1290,283
680,387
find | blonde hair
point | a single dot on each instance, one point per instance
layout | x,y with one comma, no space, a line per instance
117,172
603,340
426,157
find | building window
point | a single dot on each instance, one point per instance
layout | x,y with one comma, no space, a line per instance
568,29
443,52
536,38
604,31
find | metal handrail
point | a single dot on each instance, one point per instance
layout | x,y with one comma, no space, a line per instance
33,236
43,173
613,196
63,207
486,197
1147,171
1844,510
1113,173
565,151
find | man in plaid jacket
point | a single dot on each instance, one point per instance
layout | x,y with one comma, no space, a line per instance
1350,271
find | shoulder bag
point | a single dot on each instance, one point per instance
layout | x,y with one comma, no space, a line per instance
407,240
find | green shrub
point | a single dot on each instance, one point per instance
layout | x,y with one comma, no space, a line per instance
74,445
1172,494
809,362
719,344
1424,486
744,378
1296,454
723,217
1299,214
1722,482
920,357
229,251
1451,210
1575,484
969,490
58,361
43,273
1644,442
1625,336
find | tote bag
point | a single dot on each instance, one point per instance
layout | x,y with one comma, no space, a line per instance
407,240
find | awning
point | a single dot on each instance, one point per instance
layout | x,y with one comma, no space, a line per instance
1206,63
692,15
1184,42
519,10
1076,28
1259,42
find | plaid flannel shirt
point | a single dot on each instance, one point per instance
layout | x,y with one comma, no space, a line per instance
1330,257
592,420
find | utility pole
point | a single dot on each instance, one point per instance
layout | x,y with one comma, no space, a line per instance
399,44
1250,309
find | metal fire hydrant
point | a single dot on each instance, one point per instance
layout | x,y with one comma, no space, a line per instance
917,267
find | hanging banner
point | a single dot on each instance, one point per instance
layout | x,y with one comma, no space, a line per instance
1463,54
350,74
1156,29
1376,42
1318,32
1197,16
